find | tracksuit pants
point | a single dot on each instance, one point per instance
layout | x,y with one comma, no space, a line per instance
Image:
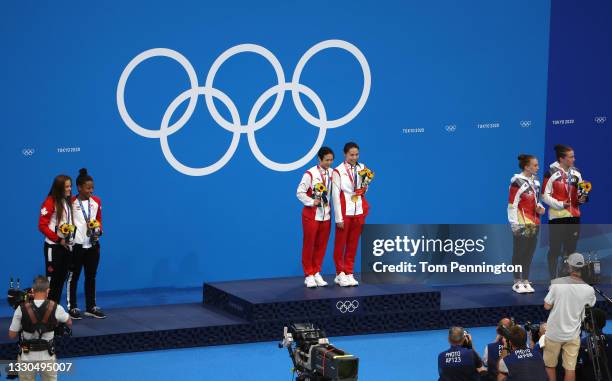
346,242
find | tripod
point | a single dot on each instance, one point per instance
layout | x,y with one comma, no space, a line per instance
595,344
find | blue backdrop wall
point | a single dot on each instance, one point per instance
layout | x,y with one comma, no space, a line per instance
579,96
457,91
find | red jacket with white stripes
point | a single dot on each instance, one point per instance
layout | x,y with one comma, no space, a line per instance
344,188
560,186
523,200
94,207
305,191
47,220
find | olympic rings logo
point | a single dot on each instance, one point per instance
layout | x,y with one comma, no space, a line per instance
347,306
235,125
28,151
600,119
525,123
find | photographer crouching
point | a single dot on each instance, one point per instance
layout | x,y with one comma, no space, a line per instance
566,299
460,362
35,322
517,362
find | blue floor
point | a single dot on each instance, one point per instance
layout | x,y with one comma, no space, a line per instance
388,357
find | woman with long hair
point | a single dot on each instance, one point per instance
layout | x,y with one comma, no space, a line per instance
56,222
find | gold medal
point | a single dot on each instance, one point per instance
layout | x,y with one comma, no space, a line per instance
354,198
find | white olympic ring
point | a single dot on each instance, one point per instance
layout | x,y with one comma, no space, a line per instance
347,306
525,123
253,124
451,127
28,151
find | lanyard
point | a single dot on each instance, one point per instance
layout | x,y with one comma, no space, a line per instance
88,215
325,177
352,174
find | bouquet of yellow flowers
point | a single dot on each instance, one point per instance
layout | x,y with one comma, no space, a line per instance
67,229
366,177
584,187
320,192
93,230
93,224
530,229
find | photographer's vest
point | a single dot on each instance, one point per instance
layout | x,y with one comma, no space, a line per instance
457,364
38,320
493,354
525,365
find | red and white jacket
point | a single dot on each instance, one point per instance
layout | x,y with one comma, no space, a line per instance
560,186
344,185
93,210
47,220
523,201
305,190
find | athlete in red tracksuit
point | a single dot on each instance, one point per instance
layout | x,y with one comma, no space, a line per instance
560,193
54,212
524,210
350,210
316,217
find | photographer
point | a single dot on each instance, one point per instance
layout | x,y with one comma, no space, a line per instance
584,368
460,362
521,363
537,337
492,351
566,299
36,321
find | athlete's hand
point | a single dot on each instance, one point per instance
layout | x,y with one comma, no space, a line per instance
340,225
540,210
316,202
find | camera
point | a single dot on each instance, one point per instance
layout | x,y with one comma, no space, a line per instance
15,295
590,273
533,330
314,358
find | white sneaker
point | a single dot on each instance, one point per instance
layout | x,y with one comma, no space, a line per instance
518,287
310,282
351,280
341,280
319,280
528,286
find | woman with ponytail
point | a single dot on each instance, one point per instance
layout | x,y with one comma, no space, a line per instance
524,211
86,254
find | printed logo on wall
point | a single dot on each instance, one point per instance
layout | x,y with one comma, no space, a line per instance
563,122
68,149
253,124
28,152
488,125
600,119
347,306
450,127
525,123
